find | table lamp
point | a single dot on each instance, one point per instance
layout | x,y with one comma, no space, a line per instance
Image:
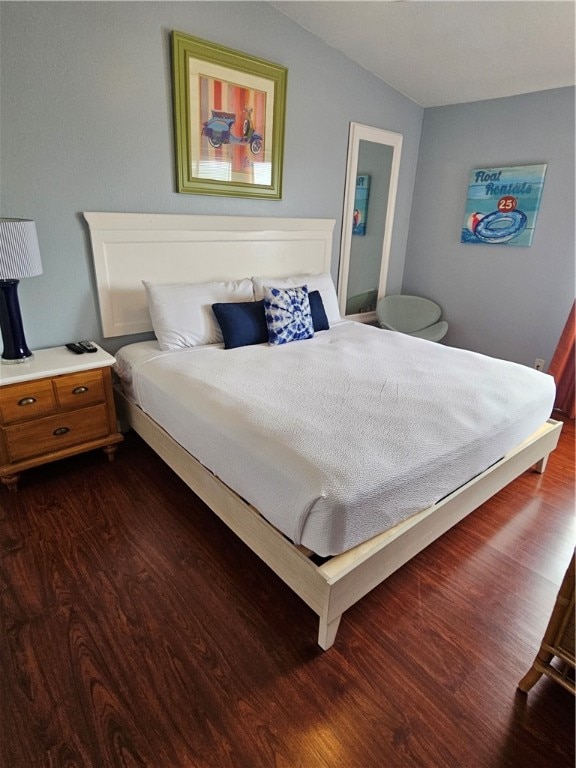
19,257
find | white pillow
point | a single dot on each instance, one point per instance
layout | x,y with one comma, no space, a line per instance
322,282
182,314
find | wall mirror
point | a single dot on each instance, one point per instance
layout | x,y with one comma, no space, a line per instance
369,200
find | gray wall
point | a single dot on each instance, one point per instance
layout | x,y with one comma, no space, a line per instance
509,302
86,125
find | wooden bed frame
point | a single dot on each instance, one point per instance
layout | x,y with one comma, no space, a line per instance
128,248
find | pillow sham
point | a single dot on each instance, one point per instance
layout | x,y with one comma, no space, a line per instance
288,316
322,282
182,315
242,323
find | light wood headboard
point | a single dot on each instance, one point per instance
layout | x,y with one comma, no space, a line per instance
171,248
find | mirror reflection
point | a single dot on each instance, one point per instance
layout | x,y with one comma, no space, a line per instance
371,181
371,199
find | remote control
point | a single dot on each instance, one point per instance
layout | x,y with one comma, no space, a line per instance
76,348
87,346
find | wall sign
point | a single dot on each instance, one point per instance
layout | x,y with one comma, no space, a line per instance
502,205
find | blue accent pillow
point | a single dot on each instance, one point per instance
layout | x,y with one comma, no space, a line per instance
288,315
319,317
242,323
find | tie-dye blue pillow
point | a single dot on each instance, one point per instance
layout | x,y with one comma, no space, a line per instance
288,315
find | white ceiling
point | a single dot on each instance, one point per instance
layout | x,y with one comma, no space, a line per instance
439,53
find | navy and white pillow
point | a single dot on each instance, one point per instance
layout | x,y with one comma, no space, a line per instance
288,315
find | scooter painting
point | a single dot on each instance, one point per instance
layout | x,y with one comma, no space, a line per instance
218,130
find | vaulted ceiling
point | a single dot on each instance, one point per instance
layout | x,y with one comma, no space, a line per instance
439,53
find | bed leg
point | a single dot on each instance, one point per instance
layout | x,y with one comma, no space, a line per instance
540,467
327,632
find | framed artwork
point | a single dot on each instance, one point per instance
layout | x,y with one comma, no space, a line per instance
361,198
229,120
502,205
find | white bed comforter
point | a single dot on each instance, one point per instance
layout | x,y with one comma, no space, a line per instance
339,437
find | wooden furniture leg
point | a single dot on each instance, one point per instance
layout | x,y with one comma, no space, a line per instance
558,640
11,482
110,450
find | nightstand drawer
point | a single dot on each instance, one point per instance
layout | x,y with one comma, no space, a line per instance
55,432
80,389
27,400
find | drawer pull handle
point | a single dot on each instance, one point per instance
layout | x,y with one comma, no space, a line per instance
79,390
27,401
61,431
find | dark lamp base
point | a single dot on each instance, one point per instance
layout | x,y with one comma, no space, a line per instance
15,347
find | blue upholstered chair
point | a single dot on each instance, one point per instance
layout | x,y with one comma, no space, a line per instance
413,315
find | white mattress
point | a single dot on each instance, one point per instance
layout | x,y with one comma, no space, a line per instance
342,436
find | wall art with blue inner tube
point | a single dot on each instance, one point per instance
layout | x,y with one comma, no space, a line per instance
502,205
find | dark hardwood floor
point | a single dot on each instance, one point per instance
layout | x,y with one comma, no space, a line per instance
137,631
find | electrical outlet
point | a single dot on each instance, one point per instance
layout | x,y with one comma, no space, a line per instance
539,364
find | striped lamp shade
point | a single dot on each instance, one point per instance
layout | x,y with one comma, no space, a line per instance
19,250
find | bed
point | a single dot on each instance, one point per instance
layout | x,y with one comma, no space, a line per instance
325,501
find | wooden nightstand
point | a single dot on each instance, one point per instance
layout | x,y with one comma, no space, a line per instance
57,405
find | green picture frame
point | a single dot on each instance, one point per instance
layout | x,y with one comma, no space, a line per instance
229,118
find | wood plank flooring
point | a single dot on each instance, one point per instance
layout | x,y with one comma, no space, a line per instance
136,631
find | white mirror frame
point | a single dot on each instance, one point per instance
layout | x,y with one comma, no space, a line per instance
359,132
